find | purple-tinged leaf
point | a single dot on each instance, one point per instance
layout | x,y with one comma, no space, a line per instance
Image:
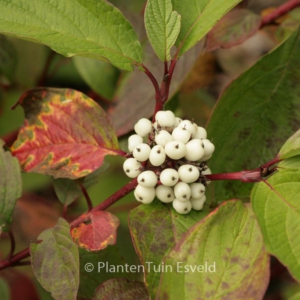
233,29
220,257
55,262
155,229
121,288
10,186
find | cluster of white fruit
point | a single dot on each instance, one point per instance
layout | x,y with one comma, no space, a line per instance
171,162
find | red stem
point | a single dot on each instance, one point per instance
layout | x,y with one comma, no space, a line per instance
279,11
12,244
255,175
86,195
43,76
245,176
108,202
14,259
153,80
126,189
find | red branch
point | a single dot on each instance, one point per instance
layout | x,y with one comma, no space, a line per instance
255,175
108,202
279,11
14,259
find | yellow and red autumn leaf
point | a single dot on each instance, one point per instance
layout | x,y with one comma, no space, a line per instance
65,133
96,234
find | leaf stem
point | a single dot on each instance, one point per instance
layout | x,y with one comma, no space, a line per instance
153,80
86,195
12,244
44,74
279,11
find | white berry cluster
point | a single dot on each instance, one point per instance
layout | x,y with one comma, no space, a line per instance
169,157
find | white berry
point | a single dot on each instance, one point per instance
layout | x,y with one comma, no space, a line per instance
147,179
165,118
144,194
157,155
209,147
182,207
189,126
165,193
169,177
197,190
188,173
205,158
133,141
181,135
143,127
194,150
200,133
163,137
141,152
132,167
177,121
182,191
197,204
175,149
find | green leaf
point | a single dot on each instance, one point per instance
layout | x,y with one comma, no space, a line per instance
295,297
55,262
233,29
198,17
277,208
8,57
10,186
162,26
255,115
121,288
291,147
155,229
65,133
89,28
220,257
93,268
290,163
68,190
99,75
4,290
